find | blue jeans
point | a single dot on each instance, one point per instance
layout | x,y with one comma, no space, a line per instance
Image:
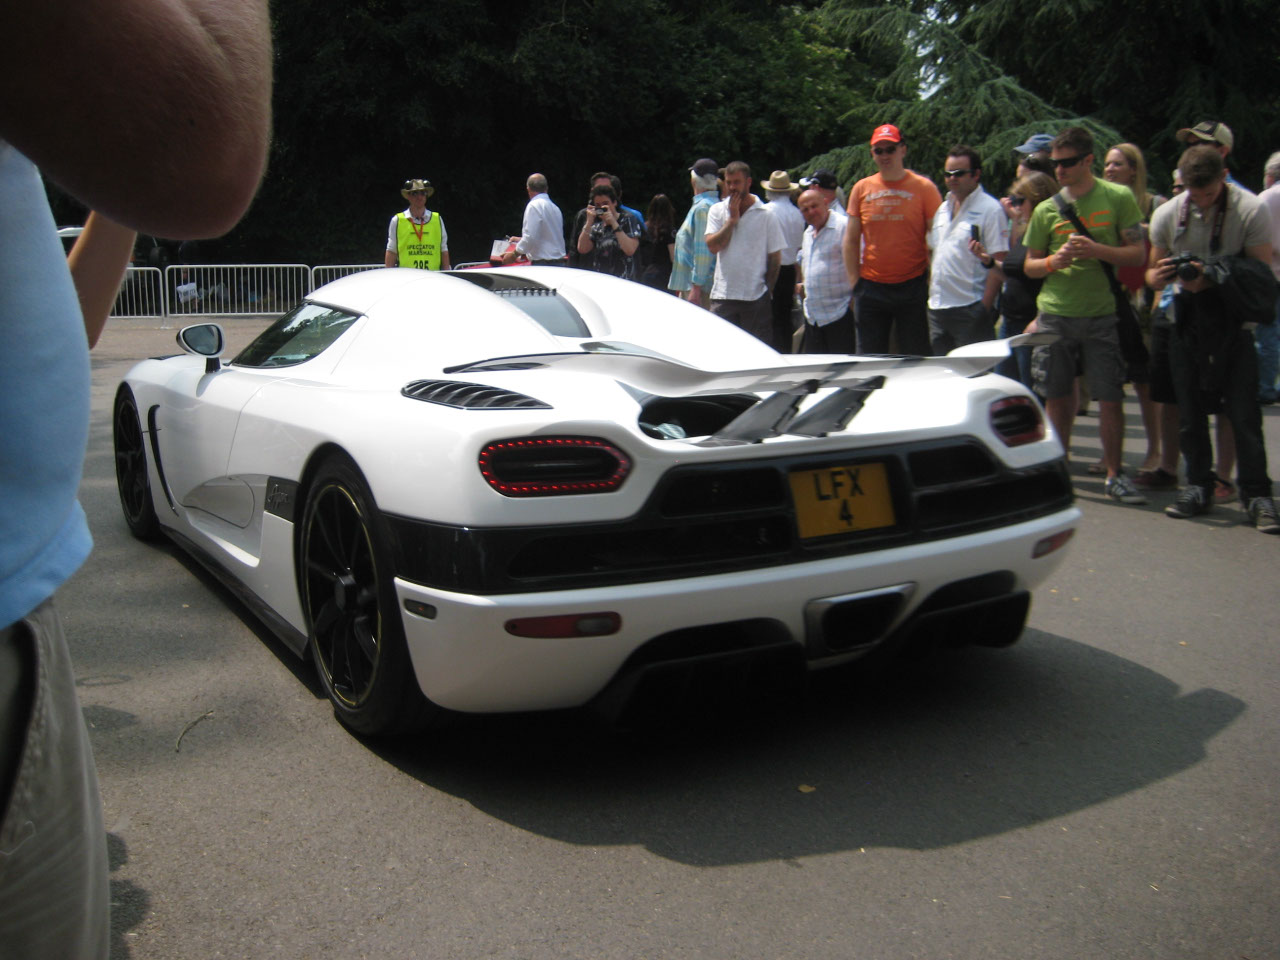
1267,338
1018,366
1239,403
898,307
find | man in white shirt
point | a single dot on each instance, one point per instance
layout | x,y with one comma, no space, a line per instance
962,285
1267,336
747,243
541,238
828,295
777,191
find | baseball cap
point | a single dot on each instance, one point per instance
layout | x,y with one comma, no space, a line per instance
886,131
821,178
704,168
1208,131
1036,142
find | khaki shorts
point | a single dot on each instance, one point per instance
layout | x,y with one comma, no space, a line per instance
1090,344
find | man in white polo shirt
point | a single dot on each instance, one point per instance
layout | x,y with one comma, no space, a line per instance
962,285
747,244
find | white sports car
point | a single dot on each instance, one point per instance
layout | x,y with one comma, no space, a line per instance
531,488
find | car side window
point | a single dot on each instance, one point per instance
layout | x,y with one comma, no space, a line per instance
299,335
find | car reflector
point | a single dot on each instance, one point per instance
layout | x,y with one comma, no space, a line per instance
566,625
1050,544
553,466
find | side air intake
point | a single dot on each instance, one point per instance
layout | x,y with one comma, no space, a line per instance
470,396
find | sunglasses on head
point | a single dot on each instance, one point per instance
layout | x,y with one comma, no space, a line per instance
1067,161
880,151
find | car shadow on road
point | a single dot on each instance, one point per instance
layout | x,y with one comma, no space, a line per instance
975,743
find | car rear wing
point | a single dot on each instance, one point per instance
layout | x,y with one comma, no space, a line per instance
853,380
654,373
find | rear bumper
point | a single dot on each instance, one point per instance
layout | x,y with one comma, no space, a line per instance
466,661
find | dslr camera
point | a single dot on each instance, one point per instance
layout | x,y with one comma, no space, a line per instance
1186,266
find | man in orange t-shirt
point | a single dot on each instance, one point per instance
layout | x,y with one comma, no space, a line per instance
886,253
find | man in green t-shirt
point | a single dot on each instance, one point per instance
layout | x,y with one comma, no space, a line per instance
1076,301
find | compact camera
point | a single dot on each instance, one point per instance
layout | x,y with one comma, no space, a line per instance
1186,266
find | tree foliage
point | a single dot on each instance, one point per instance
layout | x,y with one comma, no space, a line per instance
474,98
940,90
476,94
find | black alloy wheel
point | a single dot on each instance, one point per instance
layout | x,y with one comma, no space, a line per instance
353,620
132,477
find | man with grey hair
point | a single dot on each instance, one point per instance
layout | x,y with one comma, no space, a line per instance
777,191
693,266
541,238
1267,336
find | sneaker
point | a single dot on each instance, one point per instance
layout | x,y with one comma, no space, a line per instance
1262,511
1121,489
1191,502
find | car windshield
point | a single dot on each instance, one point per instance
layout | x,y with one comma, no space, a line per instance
299,335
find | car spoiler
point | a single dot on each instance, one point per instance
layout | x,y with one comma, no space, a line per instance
656,374
853,380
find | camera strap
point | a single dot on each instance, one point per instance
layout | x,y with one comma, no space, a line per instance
1068,210
1219,215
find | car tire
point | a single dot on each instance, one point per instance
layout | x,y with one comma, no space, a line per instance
133,477
353,620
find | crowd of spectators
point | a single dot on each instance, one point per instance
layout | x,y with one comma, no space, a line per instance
906,267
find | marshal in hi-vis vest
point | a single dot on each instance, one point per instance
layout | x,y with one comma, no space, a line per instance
418,245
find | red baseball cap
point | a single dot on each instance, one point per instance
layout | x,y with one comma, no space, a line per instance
885,132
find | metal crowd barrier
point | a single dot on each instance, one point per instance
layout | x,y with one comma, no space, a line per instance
234,290
322,275
141,293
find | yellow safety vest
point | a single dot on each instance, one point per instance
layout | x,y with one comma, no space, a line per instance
418,245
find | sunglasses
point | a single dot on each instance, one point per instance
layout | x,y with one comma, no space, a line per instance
952,174
881,151
1067,161
1017,201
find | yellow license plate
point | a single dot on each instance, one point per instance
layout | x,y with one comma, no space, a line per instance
841,499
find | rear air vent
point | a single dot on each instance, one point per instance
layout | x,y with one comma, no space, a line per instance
470,396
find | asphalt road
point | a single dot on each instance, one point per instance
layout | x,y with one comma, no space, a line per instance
1104,789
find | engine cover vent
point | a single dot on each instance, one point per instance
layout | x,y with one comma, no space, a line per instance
470,396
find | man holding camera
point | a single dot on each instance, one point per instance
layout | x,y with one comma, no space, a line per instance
609,236
1202,242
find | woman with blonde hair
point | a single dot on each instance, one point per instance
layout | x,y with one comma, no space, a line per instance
1125,165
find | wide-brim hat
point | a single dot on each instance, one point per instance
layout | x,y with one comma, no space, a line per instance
411,186
779,182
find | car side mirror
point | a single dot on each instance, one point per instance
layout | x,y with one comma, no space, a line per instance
204,340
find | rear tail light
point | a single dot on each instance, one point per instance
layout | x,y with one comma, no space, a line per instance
1017,420
553,466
